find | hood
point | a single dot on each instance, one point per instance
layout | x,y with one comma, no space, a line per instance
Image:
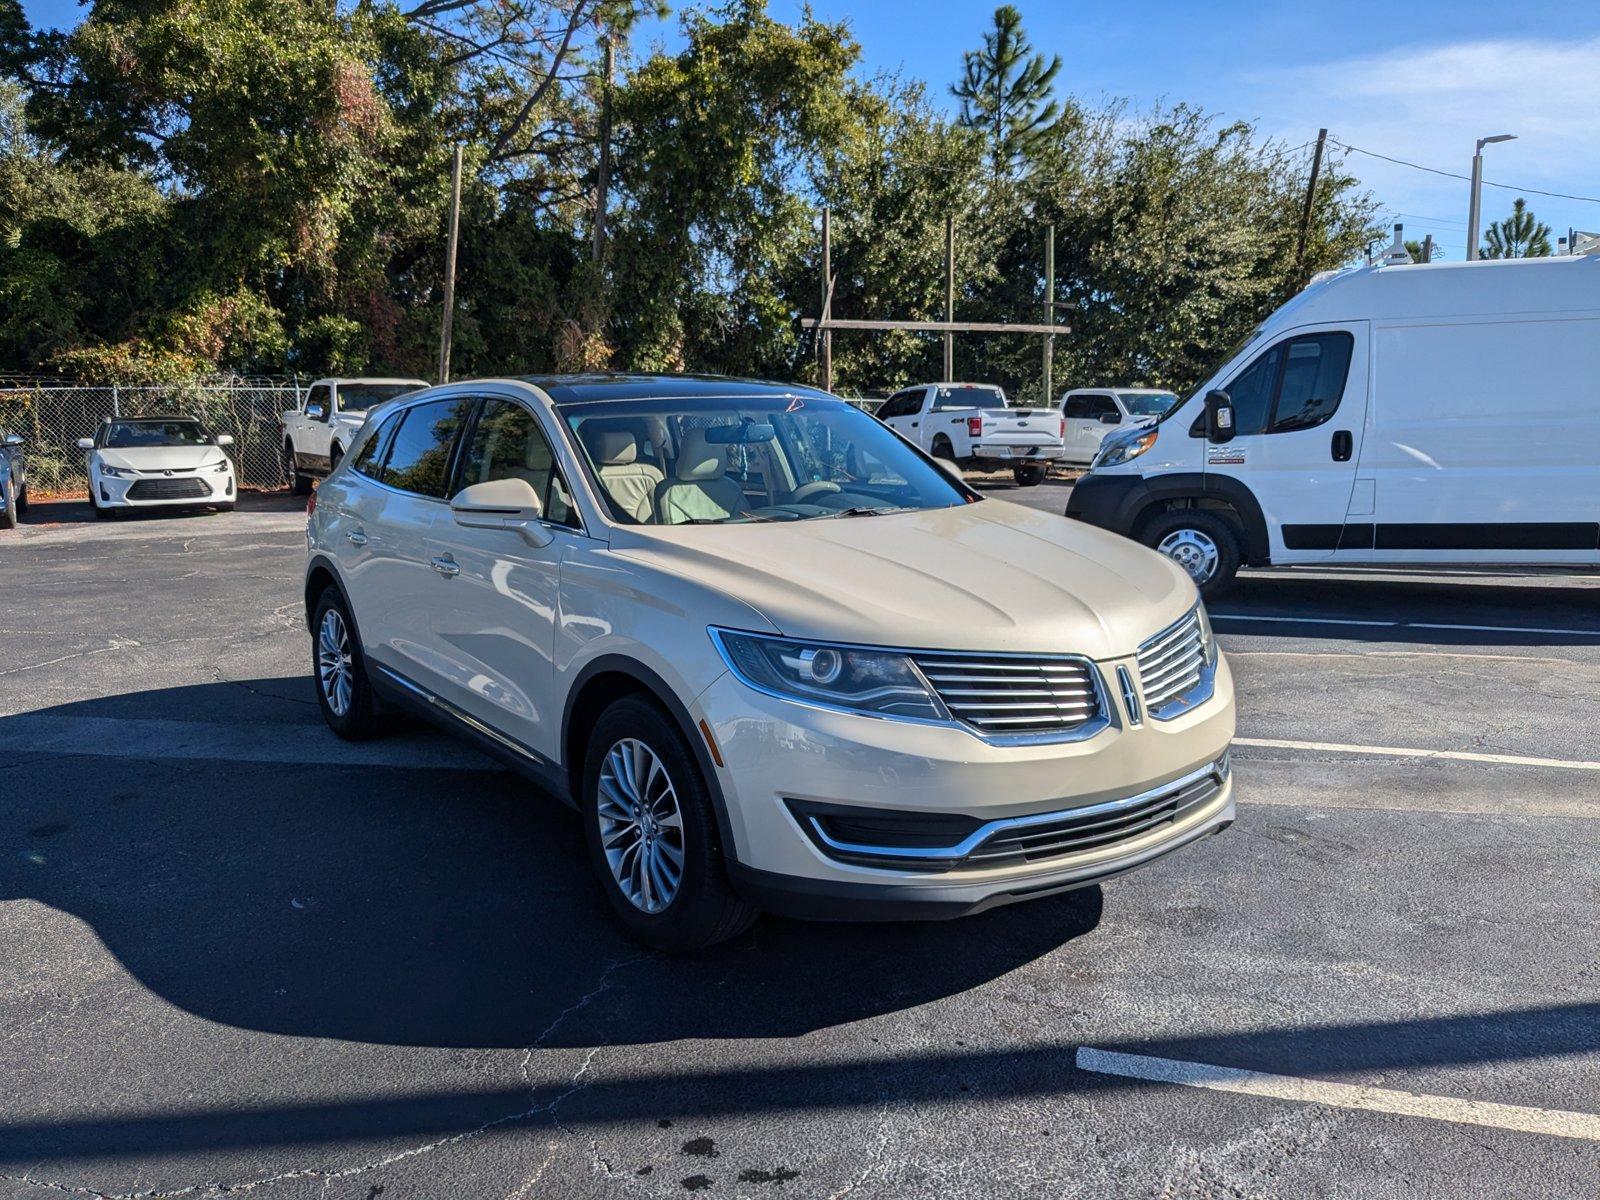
986,576
161,458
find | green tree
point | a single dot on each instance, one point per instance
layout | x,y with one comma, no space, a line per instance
1520,235
1006,92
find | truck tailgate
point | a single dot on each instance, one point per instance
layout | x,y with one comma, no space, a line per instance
1022,429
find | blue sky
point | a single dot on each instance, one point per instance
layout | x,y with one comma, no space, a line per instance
1418,80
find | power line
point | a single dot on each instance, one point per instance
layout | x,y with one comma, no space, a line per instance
1510,187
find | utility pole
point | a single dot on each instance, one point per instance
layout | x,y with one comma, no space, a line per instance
1311,196
827,298
1474,203
949,296
603,182
1049,311
1427,248
450,270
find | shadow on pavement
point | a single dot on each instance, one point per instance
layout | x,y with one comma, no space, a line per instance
426,907
69,510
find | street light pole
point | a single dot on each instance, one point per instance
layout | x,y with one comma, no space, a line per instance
1474,205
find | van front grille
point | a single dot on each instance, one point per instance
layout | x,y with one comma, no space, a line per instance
1172,662
1015,697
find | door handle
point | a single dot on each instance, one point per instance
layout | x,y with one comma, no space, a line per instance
1343,446
914,424
357,537
446,566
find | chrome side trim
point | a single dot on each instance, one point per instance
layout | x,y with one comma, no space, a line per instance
465,718
978,836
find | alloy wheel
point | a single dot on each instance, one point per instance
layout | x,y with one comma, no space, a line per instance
641,826
1192,550
334,668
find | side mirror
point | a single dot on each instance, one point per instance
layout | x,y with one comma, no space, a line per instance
951,469
509,504
224,439
85,443
1111,418
12,439
1219,418
317,410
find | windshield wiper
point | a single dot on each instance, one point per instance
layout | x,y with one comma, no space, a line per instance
862,510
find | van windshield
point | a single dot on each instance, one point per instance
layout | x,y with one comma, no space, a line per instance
1211,373
729,460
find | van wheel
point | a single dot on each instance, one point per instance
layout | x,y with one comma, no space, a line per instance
339,671
1200,542
652,834
1028,474
943,449
299,485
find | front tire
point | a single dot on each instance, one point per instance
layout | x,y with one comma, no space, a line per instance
1205,545
652,832
299,485
1028,474
22,501
8,513
339,671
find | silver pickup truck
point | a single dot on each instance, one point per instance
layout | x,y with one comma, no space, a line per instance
316,435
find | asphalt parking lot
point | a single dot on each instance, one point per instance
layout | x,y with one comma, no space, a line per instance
242,956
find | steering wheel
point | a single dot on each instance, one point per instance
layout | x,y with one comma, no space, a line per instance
815,488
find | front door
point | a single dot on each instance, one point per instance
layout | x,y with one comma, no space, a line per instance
495,613
1300,407
1087,425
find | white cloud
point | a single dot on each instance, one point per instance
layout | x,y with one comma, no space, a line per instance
1428,104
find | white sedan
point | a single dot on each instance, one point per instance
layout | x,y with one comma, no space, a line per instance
154,462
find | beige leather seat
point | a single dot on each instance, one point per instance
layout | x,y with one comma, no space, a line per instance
631,484
700,489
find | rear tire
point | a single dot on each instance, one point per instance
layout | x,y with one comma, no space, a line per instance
1029,474
8,513
22,501
299,485
943,449
654,842
1205,545
339,672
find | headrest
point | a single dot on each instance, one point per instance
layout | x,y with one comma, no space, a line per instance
612,447
700,459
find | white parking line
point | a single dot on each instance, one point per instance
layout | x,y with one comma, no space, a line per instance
1594,633
1511,760
1553,1121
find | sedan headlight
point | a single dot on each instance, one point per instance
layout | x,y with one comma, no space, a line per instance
1125,447
220,467
868,681
114,472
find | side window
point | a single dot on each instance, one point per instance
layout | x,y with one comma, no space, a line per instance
507,443
419,459
369,459
901,404
1251,391
1313,380
1100,406
321,394
1078,407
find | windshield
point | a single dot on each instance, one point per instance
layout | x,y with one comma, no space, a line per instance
1147,404
962,396
1234,351
722,460
359,397
125,435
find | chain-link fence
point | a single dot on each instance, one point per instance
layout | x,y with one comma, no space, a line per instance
53,416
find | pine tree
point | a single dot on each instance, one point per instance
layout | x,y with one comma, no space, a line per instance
1520,235
1007,92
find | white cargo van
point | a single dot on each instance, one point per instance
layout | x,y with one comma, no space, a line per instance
1413,414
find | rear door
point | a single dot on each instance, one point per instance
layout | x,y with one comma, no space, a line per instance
387,513
1301,406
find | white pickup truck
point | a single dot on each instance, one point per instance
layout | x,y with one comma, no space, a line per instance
971,424
316,435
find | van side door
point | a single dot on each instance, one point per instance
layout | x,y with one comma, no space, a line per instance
1300,408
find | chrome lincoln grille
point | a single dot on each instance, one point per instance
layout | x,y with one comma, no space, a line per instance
1023,697
1172,662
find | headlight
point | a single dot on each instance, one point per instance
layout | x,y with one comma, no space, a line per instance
220,468
114,472
1125,448
869,681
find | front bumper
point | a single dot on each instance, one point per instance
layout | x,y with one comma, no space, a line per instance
783,760
156,490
